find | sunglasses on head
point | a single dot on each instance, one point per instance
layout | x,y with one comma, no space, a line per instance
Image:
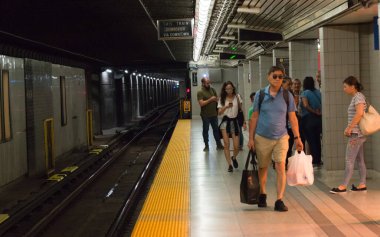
275,76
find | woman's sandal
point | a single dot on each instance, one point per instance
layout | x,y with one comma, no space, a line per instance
358,189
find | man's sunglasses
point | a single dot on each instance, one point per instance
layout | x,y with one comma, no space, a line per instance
275,76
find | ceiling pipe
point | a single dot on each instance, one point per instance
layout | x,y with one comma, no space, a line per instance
223,16
237,26
222,45
249,10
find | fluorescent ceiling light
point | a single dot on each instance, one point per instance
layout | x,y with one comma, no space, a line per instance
236,26
250,10
217,51
228,37
202,10
222,45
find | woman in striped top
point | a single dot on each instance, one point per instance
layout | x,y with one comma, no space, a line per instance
356,139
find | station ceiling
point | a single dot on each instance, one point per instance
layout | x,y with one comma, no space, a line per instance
289,19
123,32
114,32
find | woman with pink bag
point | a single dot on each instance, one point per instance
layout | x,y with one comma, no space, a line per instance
356,139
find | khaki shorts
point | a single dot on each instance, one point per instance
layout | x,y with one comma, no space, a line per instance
268,148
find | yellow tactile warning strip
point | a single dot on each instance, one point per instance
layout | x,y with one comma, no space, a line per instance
166,211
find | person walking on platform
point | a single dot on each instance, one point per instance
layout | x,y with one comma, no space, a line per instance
268,133
208,99
228,106
311,104
356,139
250,110
296,88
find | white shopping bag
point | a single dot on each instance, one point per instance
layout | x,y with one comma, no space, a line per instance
300,170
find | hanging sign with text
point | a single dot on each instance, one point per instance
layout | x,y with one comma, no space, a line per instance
175,29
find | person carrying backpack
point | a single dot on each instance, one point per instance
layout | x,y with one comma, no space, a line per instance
269,136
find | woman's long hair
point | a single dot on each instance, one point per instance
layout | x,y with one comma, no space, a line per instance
308,84
223,93
352,81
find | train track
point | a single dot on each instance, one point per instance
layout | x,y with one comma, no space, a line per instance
98,197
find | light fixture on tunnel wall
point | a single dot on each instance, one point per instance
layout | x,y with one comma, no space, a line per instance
108,70
134,74
126,71
249,10
139,75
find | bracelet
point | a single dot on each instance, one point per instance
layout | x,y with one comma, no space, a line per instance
295,138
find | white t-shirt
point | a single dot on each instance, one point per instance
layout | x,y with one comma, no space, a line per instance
233,111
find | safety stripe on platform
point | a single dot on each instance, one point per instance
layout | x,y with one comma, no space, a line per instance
167,207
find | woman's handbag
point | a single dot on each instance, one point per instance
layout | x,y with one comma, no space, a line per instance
300,170
240,118
370,122
240,115
249,185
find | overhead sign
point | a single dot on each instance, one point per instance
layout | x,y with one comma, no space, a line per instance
175,29
258,36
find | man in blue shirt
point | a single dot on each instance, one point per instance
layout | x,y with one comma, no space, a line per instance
269,136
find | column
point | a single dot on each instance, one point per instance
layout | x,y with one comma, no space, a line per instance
303,59
265,62
339,59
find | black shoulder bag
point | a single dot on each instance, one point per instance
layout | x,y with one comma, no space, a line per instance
250,185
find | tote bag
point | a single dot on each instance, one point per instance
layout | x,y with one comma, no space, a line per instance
300,170
370,122
249,185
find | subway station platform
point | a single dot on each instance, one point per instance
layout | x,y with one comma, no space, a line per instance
215,208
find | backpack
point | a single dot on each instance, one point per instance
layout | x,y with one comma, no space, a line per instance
285,93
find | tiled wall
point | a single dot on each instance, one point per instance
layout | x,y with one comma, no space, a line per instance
367,71
280,53
39,106
339,59
73,134
246,88
255,75
303,58
13,156
369,75
107,103
265,63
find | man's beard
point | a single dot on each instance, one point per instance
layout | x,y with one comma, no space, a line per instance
207,87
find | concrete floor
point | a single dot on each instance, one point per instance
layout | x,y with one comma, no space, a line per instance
313,211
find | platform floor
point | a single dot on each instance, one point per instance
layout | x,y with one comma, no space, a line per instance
216,209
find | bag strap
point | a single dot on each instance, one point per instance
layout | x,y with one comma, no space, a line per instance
367,104
285,94
238,101
252,154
